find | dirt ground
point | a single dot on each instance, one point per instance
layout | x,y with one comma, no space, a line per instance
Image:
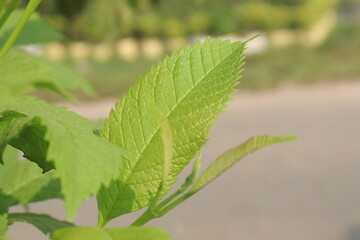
305,189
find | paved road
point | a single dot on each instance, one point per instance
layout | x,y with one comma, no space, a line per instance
306,189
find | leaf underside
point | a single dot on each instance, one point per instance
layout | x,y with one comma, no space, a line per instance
23,182
54,137
45,223
190,88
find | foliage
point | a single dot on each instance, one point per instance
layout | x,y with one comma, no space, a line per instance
23,182
173,18
51,130
35,30
157,128
44,223
337,59
191,100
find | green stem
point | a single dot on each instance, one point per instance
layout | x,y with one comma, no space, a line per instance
150,214
175,203
2,5
173,196
188,182
8,11
144,218
30,8
155,211
152,211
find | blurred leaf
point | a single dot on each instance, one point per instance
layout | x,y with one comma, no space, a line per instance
129,233
44,223
232,156
67,78
61,74
35,31
20,74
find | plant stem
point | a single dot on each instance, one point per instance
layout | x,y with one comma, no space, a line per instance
175,203
144,218
150,214
30,8
188,182
186,185
173,196
155,211
2,5
8,11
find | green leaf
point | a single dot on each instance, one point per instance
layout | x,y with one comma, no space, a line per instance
35,31
3,225
129,233
23,182
21,74
232,156
53,136
44,223
190,88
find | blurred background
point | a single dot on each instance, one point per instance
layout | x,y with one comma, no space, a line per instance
112,42
301,77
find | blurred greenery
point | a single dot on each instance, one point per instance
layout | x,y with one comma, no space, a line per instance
335,60
97,20
35,30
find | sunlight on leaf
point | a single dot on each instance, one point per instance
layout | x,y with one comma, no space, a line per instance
190,88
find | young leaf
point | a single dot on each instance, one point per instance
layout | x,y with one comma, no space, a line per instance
20,74
130,233
232,156
44,223
22,182
53,136
191,88
35,31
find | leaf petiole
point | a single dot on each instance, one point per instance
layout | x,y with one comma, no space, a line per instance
30,8
2,5
155,211
188,182
8,10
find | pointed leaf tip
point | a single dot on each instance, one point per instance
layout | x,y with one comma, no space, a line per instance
232,156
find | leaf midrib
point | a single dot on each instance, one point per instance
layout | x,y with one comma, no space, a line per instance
157,129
